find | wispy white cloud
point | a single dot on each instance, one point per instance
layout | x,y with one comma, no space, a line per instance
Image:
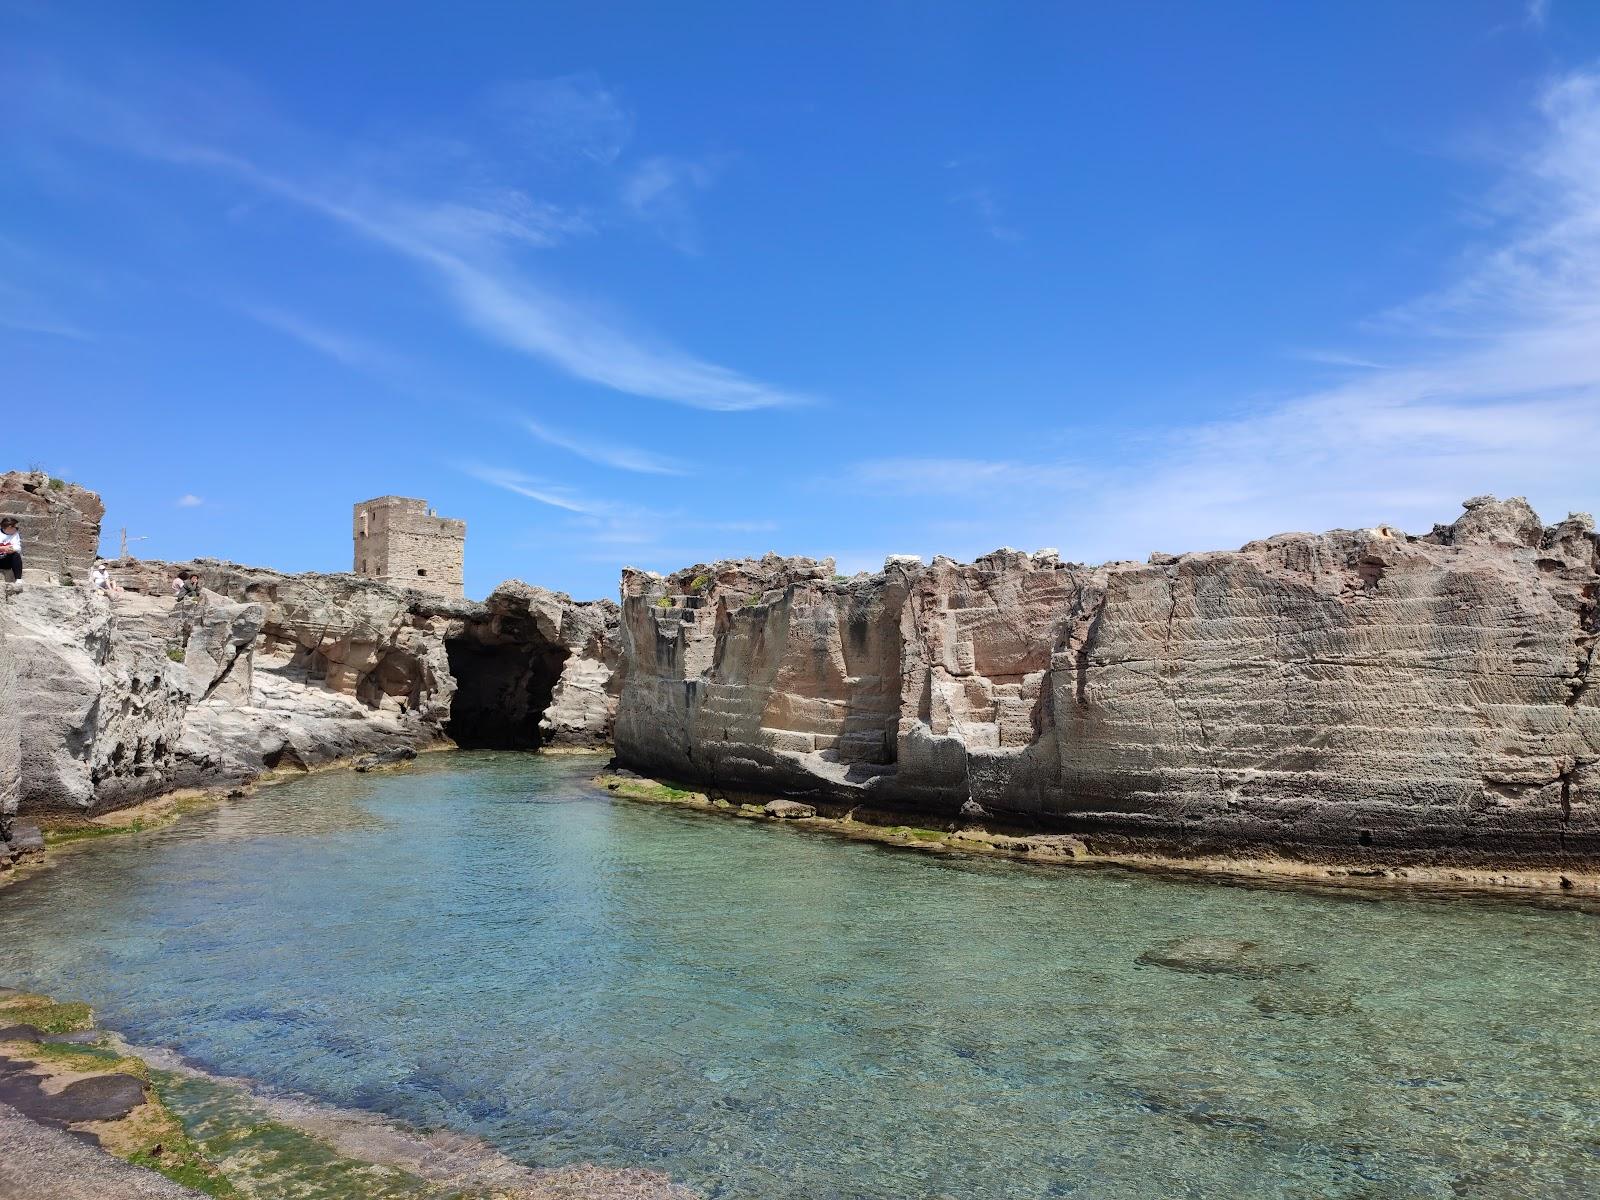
594,530
569,117
45,326
660,192
498,301
1491,384
960,476
189,500
1335,358
1536,13
342,347
24,312
982,204
504,215
554,495
606,453
464,246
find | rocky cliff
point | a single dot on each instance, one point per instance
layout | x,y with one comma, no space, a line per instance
123,699
1347,697
60,523
525,668
10,739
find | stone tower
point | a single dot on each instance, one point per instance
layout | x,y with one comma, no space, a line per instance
404,542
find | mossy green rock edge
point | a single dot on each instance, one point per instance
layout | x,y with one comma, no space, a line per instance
210,1135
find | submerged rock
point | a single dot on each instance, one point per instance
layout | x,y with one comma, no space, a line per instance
1216,956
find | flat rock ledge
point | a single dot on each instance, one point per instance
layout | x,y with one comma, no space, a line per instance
82,1116
862,824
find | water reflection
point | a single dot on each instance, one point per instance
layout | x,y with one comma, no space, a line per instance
486,943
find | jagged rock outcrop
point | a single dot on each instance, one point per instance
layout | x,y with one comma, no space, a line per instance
1346,697
101,707
10,739
524,668
120,703
60,523
121,699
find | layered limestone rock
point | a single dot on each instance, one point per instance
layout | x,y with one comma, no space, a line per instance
10,739
1348,697
526,667
60,523
124,698
107,701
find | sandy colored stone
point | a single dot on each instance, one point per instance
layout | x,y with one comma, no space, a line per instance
401,541
120,699
60,524
1349,697
10,738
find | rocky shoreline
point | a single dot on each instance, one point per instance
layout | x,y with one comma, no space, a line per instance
963,837
1358,702
132,1116
112,701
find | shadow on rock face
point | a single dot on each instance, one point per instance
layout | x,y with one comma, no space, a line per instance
1217,956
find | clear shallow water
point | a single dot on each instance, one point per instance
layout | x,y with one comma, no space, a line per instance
487,943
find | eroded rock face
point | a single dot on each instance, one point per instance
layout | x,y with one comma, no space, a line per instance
526,667
10,739
533,667
102,700
60,523
123,699
1343,696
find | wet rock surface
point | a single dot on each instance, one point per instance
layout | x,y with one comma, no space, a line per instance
98,1098
1360,697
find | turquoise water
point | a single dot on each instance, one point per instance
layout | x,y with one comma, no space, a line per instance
487,943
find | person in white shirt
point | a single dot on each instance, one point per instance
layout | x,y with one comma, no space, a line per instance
11,548
100,580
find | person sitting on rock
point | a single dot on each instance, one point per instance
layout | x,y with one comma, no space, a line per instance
186,586
100,579
11,548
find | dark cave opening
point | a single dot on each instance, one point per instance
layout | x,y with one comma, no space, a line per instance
503,686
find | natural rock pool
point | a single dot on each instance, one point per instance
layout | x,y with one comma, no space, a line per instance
487,943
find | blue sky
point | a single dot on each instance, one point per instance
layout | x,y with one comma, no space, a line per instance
647,284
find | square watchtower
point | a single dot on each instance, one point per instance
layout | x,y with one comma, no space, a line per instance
404,542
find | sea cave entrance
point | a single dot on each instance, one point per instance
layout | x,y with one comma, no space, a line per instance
504,680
